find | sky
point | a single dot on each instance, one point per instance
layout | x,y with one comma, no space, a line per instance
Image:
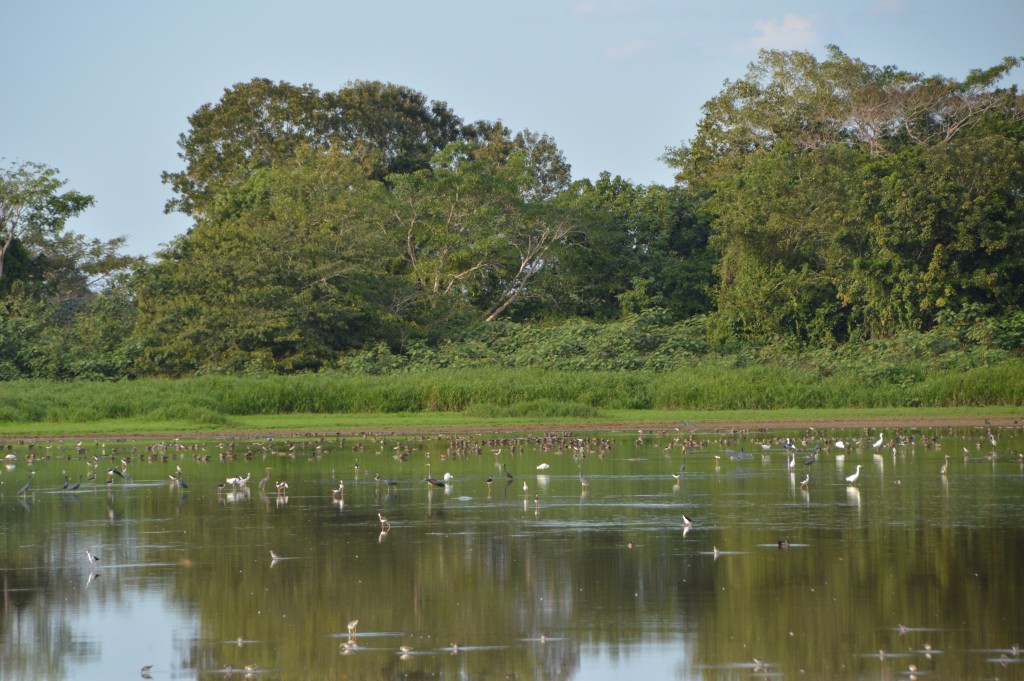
102,90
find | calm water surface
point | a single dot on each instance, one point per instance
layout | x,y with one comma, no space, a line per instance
490,581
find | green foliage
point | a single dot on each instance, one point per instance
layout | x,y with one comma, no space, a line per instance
281,278
830,216
261,124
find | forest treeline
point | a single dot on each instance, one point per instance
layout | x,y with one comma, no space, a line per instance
825,209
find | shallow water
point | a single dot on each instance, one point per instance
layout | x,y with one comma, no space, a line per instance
484,581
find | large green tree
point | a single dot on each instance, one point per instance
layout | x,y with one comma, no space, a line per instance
791,97
848,199
261,124
65,309
278,277
34,210
477,228
643,247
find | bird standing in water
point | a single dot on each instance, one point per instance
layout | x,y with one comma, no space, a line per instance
852,479
24,488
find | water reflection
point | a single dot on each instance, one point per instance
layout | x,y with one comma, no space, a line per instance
661,554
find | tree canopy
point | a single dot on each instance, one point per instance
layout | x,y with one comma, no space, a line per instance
821,202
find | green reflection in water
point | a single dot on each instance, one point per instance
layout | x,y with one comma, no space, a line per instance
556,581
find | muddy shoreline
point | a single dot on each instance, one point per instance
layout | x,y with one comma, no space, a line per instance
746,425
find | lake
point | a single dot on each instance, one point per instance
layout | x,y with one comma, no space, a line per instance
585,569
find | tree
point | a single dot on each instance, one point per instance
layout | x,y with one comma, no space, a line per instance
33,210
261,124
400,125
848,199
792,98
280,277
647,245
477,228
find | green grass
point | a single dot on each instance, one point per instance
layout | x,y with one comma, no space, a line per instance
468,397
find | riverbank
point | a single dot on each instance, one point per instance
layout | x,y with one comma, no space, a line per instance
312,425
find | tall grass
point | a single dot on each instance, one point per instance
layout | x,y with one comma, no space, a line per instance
507,391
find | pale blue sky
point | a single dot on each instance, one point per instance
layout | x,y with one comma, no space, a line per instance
101,89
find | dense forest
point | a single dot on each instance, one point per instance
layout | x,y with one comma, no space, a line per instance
823,208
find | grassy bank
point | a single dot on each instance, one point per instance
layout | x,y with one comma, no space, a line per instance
469,397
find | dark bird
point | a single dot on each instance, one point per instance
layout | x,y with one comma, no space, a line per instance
24,488
93,559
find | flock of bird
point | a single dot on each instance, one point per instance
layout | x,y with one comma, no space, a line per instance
813,448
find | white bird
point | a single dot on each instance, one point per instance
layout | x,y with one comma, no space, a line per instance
448,478
807,479
840,444
687,522
543,467
878,443
92,559
850,479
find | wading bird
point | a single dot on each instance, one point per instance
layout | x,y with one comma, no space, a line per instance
24,488
852,478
